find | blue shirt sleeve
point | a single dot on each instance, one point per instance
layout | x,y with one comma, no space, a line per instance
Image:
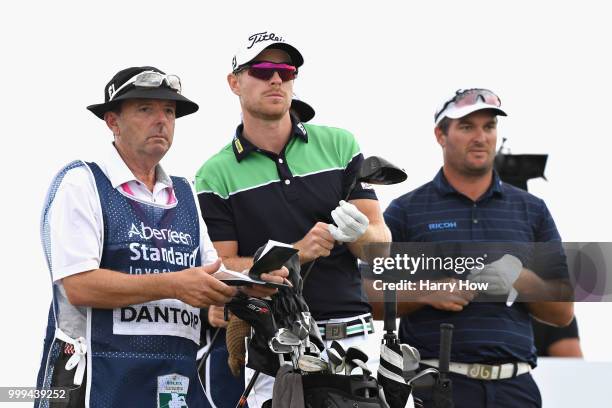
395,219
550,261
547,230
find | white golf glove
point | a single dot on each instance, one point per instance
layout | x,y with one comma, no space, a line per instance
351,223
500,275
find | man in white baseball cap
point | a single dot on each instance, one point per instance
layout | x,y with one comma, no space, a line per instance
492,351
282,179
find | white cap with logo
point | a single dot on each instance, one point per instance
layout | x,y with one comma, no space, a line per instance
466,101
260,41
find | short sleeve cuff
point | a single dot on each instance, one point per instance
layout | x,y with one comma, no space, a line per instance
358,194
221,235
64,272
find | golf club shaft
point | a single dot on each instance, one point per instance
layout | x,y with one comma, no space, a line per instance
210,346
446,336
348,194
307,273
351,188
243,398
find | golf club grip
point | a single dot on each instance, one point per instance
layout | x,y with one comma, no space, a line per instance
446,338
390,310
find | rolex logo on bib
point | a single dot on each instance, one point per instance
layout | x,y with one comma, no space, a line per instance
172,391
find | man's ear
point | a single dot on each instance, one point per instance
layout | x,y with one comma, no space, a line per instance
232,80
440,136
110,118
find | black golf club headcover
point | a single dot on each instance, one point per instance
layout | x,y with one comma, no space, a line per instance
256,312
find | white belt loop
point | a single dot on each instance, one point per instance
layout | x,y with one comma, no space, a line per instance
78,358
365,327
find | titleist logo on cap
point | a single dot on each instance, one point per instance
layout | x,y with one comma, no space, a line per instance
259,37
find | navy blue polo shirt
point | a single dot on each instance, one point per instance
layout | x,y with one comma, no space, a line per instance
436,212
250,195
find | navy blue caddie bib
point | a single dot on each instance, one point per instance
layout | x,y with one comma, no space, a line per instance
146,353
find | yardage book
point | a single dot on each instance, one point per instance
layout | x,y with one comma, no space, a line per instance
273,257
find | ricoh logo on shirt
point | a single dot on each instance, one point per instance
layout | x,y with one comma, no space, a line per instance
442,225
164,234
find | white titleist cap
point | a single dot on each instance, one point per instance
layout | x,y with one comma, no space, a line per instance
260,41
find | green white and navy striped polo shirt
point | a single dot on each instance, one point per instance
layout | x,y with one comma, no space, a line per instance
250,195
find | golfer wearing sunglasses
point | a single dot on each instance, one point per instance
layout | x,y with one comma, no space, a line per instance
130,260
282,179
492,348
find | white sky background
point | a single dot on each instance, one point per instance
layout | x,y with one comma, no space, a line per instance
379,71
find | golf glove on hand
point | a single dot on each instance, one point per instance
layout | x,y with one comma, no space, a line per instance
500,275
351,223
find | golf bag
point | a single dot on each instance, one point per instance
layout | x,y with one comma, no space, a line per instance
341,391
283,311
397,372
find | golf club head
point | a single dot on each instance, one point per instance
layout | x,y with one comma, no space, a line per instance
256,312
376,170
302,110
335,361
426,372
315,335
336,345
313,350
306,318
299,329
364,367
312,364
411,358
287,337
279,348
355,353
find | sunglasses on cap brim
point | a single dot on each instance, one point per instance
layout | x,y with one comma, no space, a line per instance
150,79
470,97
265,70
